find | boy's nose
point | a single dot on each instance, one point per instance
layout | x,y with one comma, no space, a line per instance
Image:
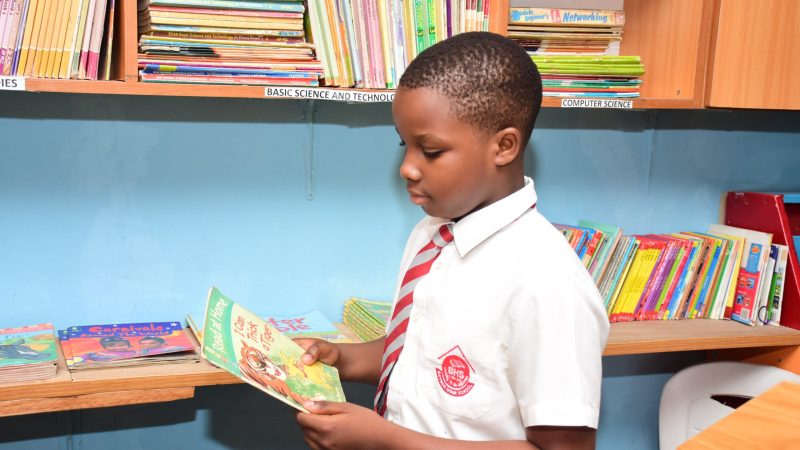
408,170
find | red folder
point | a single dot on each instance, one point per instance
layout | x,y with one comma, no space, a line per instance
767,212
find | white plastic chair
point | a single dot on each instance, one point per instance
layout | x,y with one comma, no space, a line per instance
687,408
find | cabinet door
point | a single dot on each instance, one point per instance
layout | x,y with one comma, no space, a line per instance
756,56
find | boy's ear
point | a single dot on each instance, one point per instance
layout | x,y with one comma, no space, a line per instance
508,145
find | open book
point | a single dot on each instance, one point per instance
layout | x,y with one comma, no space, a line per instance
236,340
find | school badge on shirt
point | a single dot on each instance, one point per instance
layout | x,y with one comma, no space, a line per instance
455,372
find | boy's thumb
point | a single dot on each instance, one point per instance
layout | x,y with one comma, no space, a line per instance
324,407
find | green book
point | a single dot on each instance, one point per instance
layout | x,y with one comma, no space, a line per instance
240,342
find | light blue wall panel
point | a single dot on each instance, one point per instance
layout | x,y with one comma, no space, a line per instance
129,208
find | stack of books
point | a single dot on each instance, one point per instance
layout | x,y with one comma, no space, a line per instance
577,51
366,318
368,44
225,42
56,38
312,324
590,76
126,344
723,273
561,31
27,353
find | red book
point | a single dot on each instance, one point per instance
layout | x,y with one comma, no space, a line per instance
767,212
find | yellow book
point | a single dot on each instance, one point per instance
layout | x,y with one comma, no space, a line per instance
409,33
441,20
57,41
69,38
45,35
30,23
644,262
612,301
336,44
623,287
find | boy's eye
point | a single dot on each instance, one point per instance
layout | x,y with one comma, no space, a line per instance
402,143
431,154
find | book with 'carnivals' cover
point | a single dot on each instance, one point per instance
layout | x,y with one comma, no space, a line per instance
247,346
126,344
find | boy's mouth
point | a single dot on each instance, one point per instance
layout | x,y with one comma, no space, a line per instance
416,197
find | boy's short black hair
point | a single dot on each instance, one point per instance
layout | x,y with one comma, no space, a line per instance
491,81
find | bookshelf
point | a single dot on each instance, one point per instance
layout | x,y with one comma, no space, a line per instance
672,37
169,382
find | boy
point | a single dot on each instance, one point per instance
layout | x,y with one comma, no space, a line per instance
497,329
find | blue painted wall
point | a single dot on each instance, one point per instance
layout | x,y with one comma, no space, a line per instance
129,208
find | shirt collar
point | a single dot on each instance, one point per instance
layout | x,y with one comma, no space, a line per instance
475,228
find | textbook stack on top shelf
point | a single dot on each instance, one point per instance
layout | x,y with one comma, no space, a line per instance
63,39
577,51
225,42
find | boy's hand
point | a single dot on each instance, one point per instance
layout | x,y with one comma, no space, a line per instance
333,425
318,350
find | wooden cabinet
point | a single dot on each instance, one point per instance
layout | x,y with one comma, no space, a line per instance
755,62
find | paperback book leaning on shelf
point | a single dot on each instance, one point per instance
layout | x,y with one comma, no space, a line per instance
27,353
126,344
240,342
311,324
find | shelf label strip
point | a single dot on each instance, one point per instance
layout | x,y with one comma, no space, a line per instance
12,83
339,95
596,103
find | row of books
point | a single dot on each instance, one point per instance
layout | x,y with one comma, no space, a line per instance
723,273
56,38
225,42
369,43
29,352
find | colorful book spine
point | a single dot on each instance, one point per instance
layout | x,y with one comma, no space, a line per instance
552,16
234,4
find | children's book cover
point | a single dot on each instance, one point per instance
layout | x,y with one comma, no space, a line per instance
27,345
106,343
247,346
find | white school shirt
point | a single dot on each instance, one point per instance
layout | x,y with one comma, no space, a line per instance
506,331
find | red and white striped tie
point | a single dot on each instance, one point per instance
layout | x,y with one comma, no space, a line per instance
396,335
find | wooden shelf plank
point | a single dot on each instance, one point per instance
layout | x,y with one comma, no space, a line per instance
102,400
632,338
183,90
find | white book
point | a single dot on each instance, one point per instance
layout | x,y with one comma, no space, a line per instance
751,272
